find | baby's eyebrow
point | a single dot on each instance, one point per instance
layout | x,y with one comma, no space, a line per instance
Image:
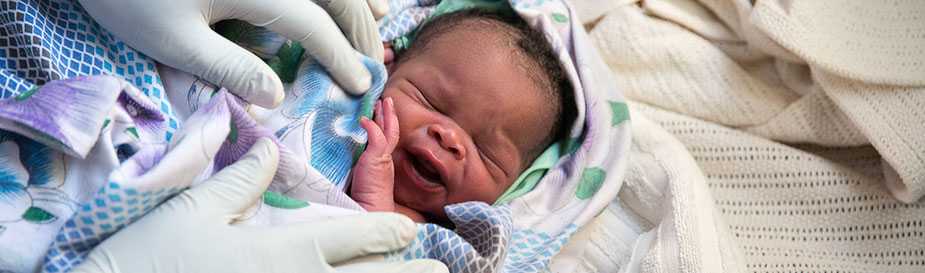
437,88
445,84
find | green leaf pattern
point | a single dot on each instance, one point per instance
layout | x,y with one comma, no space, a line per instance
591,181
38,215
277,200
559,17
620,113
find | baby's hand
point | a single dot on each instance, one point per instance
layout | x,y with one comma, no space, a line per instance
374,174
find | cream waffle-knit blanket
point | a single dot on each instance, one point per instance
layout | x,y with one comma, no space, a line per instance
769,136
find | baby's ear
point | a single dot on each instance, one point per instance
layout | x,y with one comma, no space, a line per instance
389,57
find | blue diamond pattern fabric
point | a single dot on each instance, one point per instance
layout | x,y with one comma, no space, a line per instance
533,250
485,241
410,14
47,40
477,245
98,220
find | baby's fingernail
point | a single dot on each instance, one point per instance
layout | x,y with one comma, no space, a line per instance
390,101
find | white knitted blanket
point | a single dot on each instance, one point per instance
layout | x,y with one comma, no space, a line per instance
769,136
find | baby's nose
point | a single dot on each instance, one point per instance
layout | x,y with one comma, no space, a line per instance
449,139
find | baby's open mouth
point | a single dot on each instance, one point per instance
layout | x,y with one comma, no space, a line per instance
426,170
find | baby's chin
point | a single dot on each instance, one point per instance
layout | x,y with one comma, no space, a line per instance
409,196
423,216
415,216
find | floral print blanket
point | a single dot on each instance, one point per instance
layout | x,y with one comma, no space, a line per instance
94,134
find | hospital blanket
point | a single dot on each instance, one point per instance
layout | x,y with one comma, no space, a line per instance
769,136
83,156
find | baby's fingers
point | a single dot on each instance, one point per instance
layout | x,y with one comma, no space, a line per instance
377,114
377,144
387,120
390,123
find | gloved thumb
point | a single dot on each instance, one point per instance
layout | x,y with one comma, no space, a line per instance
379,8
236,187
315,29
226,64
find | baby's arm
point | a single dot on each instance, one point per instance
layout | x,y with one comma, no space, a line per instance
374,174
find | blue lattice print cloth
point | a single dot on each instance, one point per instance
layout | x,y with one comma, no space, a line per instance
84,119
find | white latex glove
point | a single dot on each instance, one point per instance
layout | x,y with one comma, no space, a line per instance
192,233
177,33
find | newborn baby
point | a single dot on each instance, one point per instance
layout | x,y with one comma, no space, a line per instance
475,99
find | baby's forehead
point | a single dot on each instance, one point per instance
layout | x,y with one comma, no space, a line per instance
468,32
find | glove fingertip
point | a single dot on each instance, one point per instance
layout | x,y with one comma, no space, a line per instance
379,8
226,64
258,164
264,89
265,150
278,98
237,186
425,265
265,157
359,84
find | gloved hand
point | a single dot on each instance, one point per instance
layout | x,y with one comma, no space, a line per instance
192,233
177,33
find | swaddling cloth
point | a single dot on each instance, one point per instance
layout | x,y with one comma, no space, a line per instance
524,233
84,187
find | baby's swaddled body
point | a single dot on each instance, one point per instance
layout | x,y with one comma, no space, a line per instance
465,109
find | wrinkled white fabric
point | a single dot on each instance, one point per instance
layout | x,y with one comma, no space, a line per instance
776,136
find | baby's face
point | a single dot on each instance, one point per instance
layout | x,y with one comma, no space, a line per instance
466,114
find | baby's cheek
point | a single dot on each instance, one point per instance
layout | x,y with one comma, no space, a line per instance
481,188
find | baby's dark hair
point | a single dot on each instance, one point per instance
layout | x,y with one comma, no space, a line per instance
535,52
